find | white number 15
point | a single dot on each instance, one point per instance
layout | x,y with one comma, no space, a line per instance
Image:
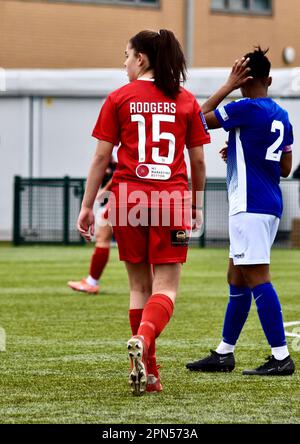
156,137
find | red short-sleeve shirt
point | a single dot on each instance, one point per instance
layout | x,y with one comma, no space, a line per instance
152,130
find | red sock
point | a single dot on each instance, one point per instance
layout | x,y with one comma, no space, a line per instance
135,316
157,313
151,349
98,262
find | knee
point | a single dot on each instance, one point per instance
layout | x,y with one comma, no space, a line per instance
103,237
254,278
234,279
140,287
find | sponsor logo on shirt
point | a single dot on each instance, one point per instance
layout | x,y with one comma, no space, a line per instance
142,171
239,256
203,122
154,172
223,113
179,238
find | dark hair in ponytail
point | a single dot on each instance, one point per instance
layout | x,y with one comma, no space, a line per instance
165,56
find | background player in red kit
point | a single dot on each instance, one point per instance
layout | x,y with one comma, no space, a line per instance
103,236
153,118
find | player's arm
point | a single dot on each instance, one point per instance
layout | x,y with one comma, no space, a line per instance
198,172
85,223
238,76
212,121
286,163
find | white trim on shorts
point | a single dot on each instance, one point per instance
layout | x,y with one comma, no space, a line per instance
251,237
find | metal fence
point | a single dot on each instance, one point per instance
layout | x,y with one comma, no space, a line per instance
216,215
46,210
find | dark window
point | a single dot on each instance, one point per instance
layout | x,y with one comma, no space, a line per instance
243,6
238,5
262,5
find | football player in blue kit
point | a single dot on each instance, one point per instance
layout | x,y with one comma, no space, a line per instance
259,152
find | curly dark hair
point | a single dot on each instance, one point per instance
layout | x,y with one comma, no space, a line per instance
260,64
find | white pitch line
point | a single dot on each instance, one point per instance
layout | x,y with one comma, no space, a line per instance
290,324
292,335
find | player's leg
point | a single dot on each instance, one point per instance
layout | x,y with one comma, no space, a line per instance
133,250
270,315
237,311
159,307
222,359
141,273
157,313
98,261
101,253
259,232
140,284
167,251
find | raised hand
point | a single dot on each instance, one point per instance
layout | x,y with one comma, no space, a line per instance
239,74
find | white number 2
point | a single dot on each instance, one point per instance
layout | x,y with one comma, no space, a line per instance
271,155
156,137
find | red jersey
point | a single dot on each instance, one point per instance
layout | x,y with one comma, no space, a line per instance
152,130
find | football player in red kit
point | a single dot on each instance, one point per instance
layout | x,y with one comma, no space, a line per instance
153,118
103,236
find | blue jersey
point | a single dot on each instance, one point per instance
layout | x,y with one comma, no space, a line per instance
259,129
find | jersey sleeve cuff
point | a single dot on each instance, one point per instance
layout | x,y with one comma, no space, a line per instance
221,121
100,136
287,149
196,143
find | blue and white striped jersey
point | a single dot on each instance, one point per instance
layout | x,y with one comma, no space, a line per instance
259,129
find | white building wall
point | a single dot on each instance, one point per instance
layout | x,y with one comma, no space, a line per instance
14,155
46,120
66,146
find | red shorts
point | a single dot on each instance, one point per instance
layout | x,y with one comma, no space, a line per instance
153,244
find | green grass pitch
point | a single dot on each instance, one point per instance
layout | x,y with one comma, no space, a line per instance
66,360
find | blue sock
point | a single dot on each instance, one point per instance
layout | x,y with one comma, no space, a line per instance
270,315
237,313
